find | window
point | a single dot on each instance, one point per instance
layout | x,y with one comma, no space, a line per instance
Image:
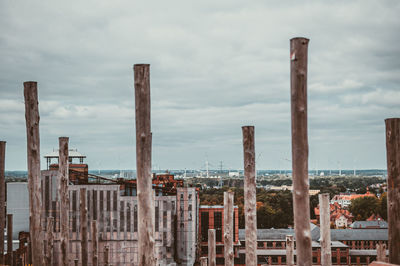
157,214
122,217
219,250
135,219
260,244
108,200
204,226
128,217
218,226
220,261
94,195
115,202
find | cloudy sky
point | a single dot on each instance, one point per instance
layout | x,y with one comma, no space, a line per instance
215,66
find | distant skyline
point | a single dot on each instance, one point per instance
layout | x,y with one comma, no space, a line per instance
215,67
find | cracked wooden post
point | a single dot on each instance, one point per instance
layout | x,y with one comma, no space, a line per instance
10,239
289,250
203,261
94,242
63,176
393,182
211,247
301,200
250,211
228,228
106,256
50,241
325,224
146,217
83,226
34,179
2,197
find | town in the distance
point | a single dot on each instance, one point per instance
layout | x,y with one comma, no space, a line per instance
190,202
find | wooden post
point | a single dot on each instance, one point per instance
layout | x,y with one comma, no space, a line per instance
50,241
393,181
2,198
381,252
203,261
301,200
250,211
10,239
211,247
64,198
34,180
228,228
76,261
106,260
289,250
95,240
143,166
326,257
83,226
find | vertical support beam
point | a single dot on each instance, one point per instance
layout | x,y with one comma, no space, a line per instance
83,226
64,198
326,256
211,247
203,261
228,228
76,261
289,250
95,242
381,252
301,200
2,198
143,165
50,241
106,257
250,213
34,182
393,181
10,239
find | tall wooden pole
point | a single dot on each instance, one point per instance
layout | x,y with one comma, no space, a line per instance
289,250
10,239
34,180
301,200
2,197
143,165
50,241
393,181
203,261
326,257
63,176
228,228
250,212
94,242
83,226
211,247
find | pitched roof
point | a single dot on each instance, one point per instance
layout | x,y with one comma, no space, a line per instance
369,224
359,234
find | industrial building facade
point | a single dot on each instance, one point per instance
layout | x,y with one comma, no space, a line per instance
176,222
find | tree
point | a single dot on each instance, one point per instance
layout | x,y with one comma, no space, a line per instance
383,206
364,207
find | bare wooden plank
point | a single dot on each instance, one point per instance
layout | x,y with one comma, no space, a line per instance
203,261
250,211
64,198
228,228
301,207
10,239
143,166
393,181
2,197
325,224
211,247
50,241
83,226
95,240
289,250
34,183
